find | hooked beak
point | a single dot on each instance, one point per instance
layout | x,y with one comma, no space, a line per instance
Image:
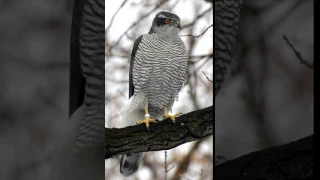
177,24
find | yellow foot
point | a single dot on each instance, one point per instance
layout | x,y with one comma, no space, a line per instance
173,117
147,120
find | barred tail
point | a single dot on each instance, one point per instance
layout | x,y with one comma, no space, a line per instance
130,162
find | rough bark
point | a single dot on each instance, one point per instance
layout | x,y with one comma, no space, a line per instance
163,135
290,161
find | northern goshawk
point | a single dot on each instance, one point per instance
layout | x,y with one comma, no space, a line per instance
158,68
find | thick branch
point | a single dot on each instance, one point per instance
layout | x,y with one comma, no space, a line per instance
289,161
161,136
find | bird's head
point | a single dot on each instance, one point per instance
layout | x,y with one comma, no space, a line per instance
166,23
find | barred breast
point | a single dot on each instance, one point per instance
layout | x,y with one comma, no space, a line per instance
92,58
227,15
159,70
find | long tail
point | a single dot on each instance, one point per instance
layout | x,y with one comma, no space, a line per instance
130,162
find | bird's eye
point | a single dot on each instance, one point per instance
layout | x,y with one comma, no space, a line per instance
167,21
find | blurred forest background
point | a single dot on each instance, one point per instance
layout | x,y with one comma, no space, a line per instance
267,99
34,90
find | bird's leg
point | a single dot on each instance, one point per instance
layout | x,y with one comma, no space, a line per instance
166,115
147,119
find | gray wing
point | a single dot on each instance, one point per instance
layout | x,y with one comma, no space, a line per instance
91,31
133,53
77,81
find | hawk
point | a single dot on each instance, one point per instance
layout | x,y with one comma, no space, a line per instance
158,68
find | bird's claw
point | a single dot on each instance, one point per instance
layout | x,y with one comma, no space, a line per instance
172,117
147,121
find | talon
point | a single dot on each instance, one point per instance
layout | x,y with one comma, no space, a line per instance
172,117
147,120
166,114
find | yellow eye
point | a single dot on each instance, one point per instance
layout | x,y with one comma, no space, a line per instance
167,21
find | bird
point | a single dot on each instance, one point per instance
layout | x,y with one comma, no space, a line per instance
226,17
158,68
80,154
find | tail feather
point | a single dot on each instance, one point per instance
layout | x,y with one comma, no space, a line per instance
129,163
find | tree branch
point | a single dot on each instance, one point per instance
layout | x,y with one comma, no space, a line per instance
114,15
163,135
195,20
200,34
207,77
289,161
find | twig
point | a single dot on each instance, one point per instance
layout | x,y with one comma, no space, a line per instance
165,165
200,34
298,54
171,168
183,166
111,21
173,6
200,56
192,84
207,77
138,3
116,80
184,177
205,61
195,20
166,170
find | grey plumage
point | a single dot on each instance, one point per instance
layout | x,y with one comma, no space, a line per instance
92,52
130,162
226,21
81,153
226,16
157,70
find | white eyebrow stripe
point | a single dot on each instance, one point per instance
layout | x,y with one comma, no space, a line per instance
162,16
